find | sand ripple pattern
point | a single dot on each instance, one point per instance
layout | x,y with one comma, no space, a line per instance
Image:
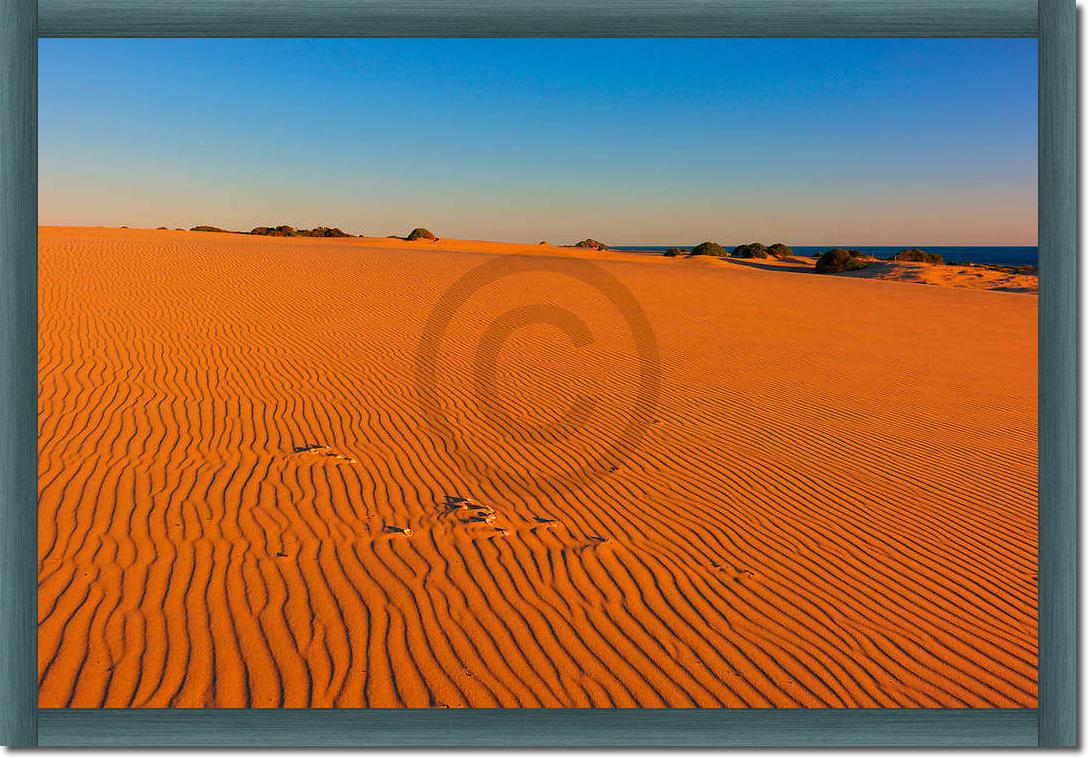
242,504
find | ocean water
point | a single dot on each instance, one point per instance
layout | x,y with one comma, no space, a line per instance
1004,256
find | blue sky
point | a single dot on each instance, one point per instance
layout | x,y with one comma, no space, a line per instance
864,142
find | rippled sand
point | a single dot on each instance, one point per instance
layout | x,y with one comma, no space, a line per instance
337,473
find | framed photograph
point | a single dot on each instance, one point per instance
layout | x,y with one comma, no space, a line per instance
566,374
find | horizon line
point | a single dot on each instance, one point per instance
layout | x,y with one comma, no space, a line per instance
352,235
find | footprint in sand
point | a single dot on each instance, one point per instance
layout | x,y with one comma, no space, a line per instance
544,524
470,511
474,512
324,451
743,574
458,503
735,574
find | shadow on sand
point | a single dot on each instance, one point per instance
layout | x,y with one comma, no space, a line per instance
792,265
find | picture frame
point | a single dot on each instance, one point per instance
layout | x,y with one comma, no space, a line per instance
1052,724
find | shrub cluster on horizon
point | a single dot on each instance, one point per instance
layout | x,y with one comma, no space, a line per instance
592,244
419,233
290,231
759,250
712,249
324,231
839,260
279,231
274,231
748,250
916,255
751,250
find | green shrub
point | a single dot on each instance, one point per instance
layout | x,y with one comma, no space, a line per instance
592,244
778,250
918,256
751,250
207,229
290,231
274,231
673,252
838,260
709,248
419,233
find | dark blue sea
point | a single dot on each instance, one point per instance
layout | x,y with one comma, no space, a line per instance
1003,256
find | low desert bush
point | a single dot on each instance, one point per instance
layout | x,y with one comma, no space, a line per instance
673,252
751,250
838,260
274,231
778,250
323,231
592,244
709,248
290,231
918,256
419,233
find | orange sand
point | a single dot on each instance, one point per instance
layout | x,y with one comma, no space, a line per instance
833,504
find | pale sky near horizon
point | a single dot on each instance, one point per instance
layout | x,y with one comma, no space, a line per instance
808,142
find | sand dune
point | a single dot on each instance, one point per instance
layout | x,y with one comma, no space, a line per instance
950,275
968,276
244,503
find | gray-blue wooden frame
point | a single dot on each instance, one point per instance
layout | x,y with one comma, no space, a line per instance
1054,723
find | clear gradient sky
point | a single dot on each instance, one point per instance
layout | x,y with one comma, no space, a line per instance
864,142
